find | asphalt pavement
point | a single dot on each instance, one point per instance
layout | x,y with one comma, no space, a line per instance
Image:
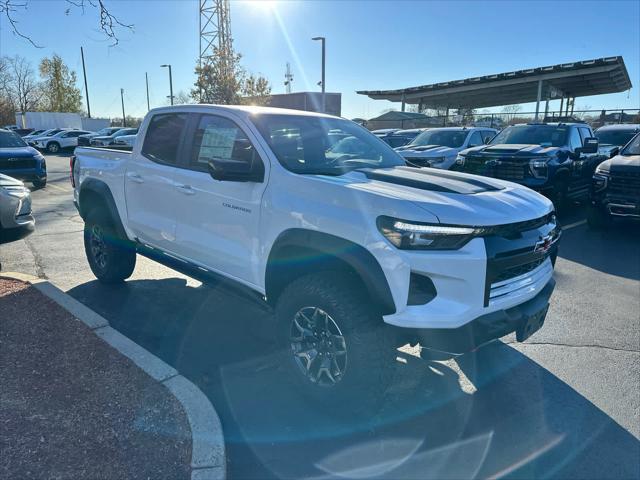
564,404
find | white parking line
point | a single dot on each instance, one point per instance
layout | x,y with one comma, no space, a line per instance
56,187
574,225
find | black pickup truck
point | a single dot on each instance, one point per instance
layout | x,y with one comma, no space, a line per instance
557,159
615,191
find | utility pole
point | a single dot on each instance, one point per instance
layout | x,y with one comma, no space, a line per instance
146,77
86,88
288,78
124,121
324,102
170,83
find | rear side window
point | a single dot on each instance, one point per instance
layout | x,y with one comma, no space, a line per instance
475,140
163,137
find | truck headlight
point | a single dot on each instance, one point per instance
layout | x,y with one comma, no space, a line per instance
424,236
600,178
460,160
539,167
436,160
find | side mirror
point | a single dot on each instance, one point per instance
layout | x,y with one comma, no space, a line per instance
236,170
590,145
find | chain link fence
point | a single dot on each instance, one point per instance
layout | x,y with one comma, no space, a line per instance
594,118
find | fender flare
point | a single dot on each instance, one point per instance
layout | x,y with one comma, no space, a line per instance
358,258
93,187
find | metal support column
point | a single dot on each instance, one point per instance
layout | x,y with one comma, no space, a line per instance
403,103
538,100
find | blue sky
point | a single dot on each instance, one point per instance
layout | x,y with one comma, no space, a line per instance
370,44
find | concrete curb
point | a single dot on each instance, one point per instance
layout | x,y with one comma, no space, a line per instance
208,459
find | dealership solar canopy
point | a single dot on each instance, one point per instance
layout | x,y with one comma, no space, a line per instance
565,80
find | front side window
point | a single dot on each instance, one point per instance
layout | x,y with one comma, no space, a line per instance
303,144
476,139
163,137
221,139
575,141
543,135
487,135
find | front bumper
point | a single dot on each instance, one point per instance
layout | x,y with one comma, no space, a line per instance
28,174
490,326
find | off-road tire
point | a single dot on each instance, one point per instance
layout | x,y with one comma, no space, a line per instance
40,183
117,259
597,218
559,195
370,346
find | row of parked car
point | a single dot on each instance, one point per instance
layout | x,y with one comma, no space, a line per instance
565,161
54,140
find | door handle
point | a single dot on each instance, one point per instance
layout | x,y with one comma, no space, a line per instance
186,189
134,177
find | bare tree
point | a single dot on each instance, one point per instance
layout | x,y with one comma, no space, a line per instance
109,23
23,89
510,111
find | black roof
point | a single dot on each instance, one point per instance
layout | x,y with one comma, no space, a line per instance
575,79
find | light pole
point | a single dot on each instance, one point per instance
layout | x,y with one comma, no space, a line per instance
324,103
124,121
170,83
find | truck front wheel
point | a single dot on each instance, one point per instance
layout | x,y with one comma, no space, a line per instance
336,348
111,259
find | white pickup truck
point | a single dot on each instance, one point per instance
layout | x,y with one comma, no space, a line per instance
358,253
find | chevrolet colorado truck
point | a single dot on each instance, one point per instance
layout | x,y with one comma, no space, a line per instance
557,159
355,251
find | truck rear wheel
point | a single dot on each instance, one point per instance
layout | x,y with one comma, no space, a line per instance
111,259
336,348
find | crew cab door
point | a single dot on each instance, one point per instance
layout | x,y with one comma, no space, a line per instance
218,221
150,191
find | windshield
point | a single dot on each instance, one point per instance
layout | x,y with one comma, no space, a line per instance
444,138
614,137
125,131
306,145
51,133
11,140
544,135
633,148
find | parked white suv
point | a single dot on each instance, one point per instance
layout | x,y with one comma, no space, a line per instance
439,147
59,141
356,252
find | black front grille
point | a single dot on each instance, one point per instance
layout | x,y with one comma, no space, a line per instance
625,183
512,230
17,163
518,270
83,141
502,168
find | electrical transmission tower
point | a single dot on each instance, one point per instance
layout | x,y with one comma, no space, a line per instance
288,78
215,29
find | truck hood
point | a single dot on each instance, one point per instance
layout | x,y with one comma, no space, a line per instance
7,181
18,152
426,151
622,163
511,150
453,197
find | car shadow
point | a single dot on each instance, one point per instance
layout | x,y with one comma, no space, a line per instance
488,414
613,250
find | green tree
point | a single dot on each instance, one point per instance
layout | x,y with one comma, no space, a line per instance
59,82
223,81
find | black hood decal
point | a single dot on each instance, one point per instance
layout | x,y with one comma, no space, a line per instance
430,179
